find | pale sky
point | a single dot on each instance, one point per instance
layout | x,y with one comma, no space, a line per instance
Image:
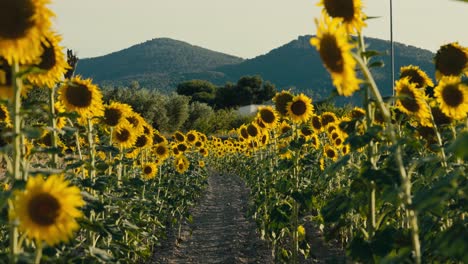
244,28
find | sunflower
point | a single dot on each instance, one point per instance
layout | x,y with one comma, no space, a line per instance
161,150
201,163
411,101
179,136
115,112
330,152
314,141
23,23
300,108
82,96
181,164
268,116
51,63
47,209
136,122
5,116
203,152
158,138
253,130
191,137
357,113
335,51
316,122
281,102
149,170
439,117
124,136
452,96
349,12
60,121
306,131
451,60
6,80
345,149
416,75
284,128
143,141
243,132
182,147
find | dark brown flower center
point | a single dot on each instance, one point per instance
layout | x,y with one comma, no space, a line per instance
285,129
450,60
414,76
340,8
327,119
252,130
16,18
112,116
123,135
133,120
43,209
408,100
452,95
182,147
267,116
306,131
191,138
316,123
158,138
244,133
298,108
179,137
161,150
148,170
78,95
330,153
3,114
48,59
141,141
439,117
330,53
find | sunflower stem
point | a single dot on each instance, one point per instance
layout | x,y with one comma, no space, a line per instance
38,257
53,124
92,152
405,179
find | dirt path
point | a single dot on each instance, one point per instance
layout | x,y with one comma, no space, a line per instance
221,232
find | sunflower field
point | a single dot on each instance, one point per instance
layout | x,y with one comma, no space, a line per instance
84,181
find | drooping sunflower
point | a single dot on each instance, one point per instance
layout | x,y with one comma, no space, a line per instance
348,11
306,131
82,96
23,24
115,112
452,96
5,116
268,116
181,164
451,60
411,101
335,51
136,121
281,102
300,108
416,75
314,141
124,136
357,113
47,209
149,170
51,63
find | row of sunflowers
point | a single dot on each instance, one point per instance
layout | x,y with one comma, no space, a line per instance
95,182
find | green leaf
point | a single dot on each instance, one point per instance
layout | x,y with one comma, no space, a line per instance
460,146
100,254
376,64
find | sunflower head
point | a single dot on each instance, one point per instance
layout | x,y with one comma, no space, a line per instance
300,108
158,138
330,152
335,51
5,116
411,100
115,112
253,130
178,136
451,60
82,96
328,118
268,116
348,11
281,102
23,23
149,170
51,63
124,136
6,80
243,132
452,96
181,164
191,137
416,75
47,209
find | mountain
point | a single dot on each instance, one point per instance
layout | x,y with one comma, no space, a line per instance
156,62
163,63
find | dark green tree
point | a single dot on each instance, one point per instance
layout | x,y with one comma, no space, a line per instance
199,90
